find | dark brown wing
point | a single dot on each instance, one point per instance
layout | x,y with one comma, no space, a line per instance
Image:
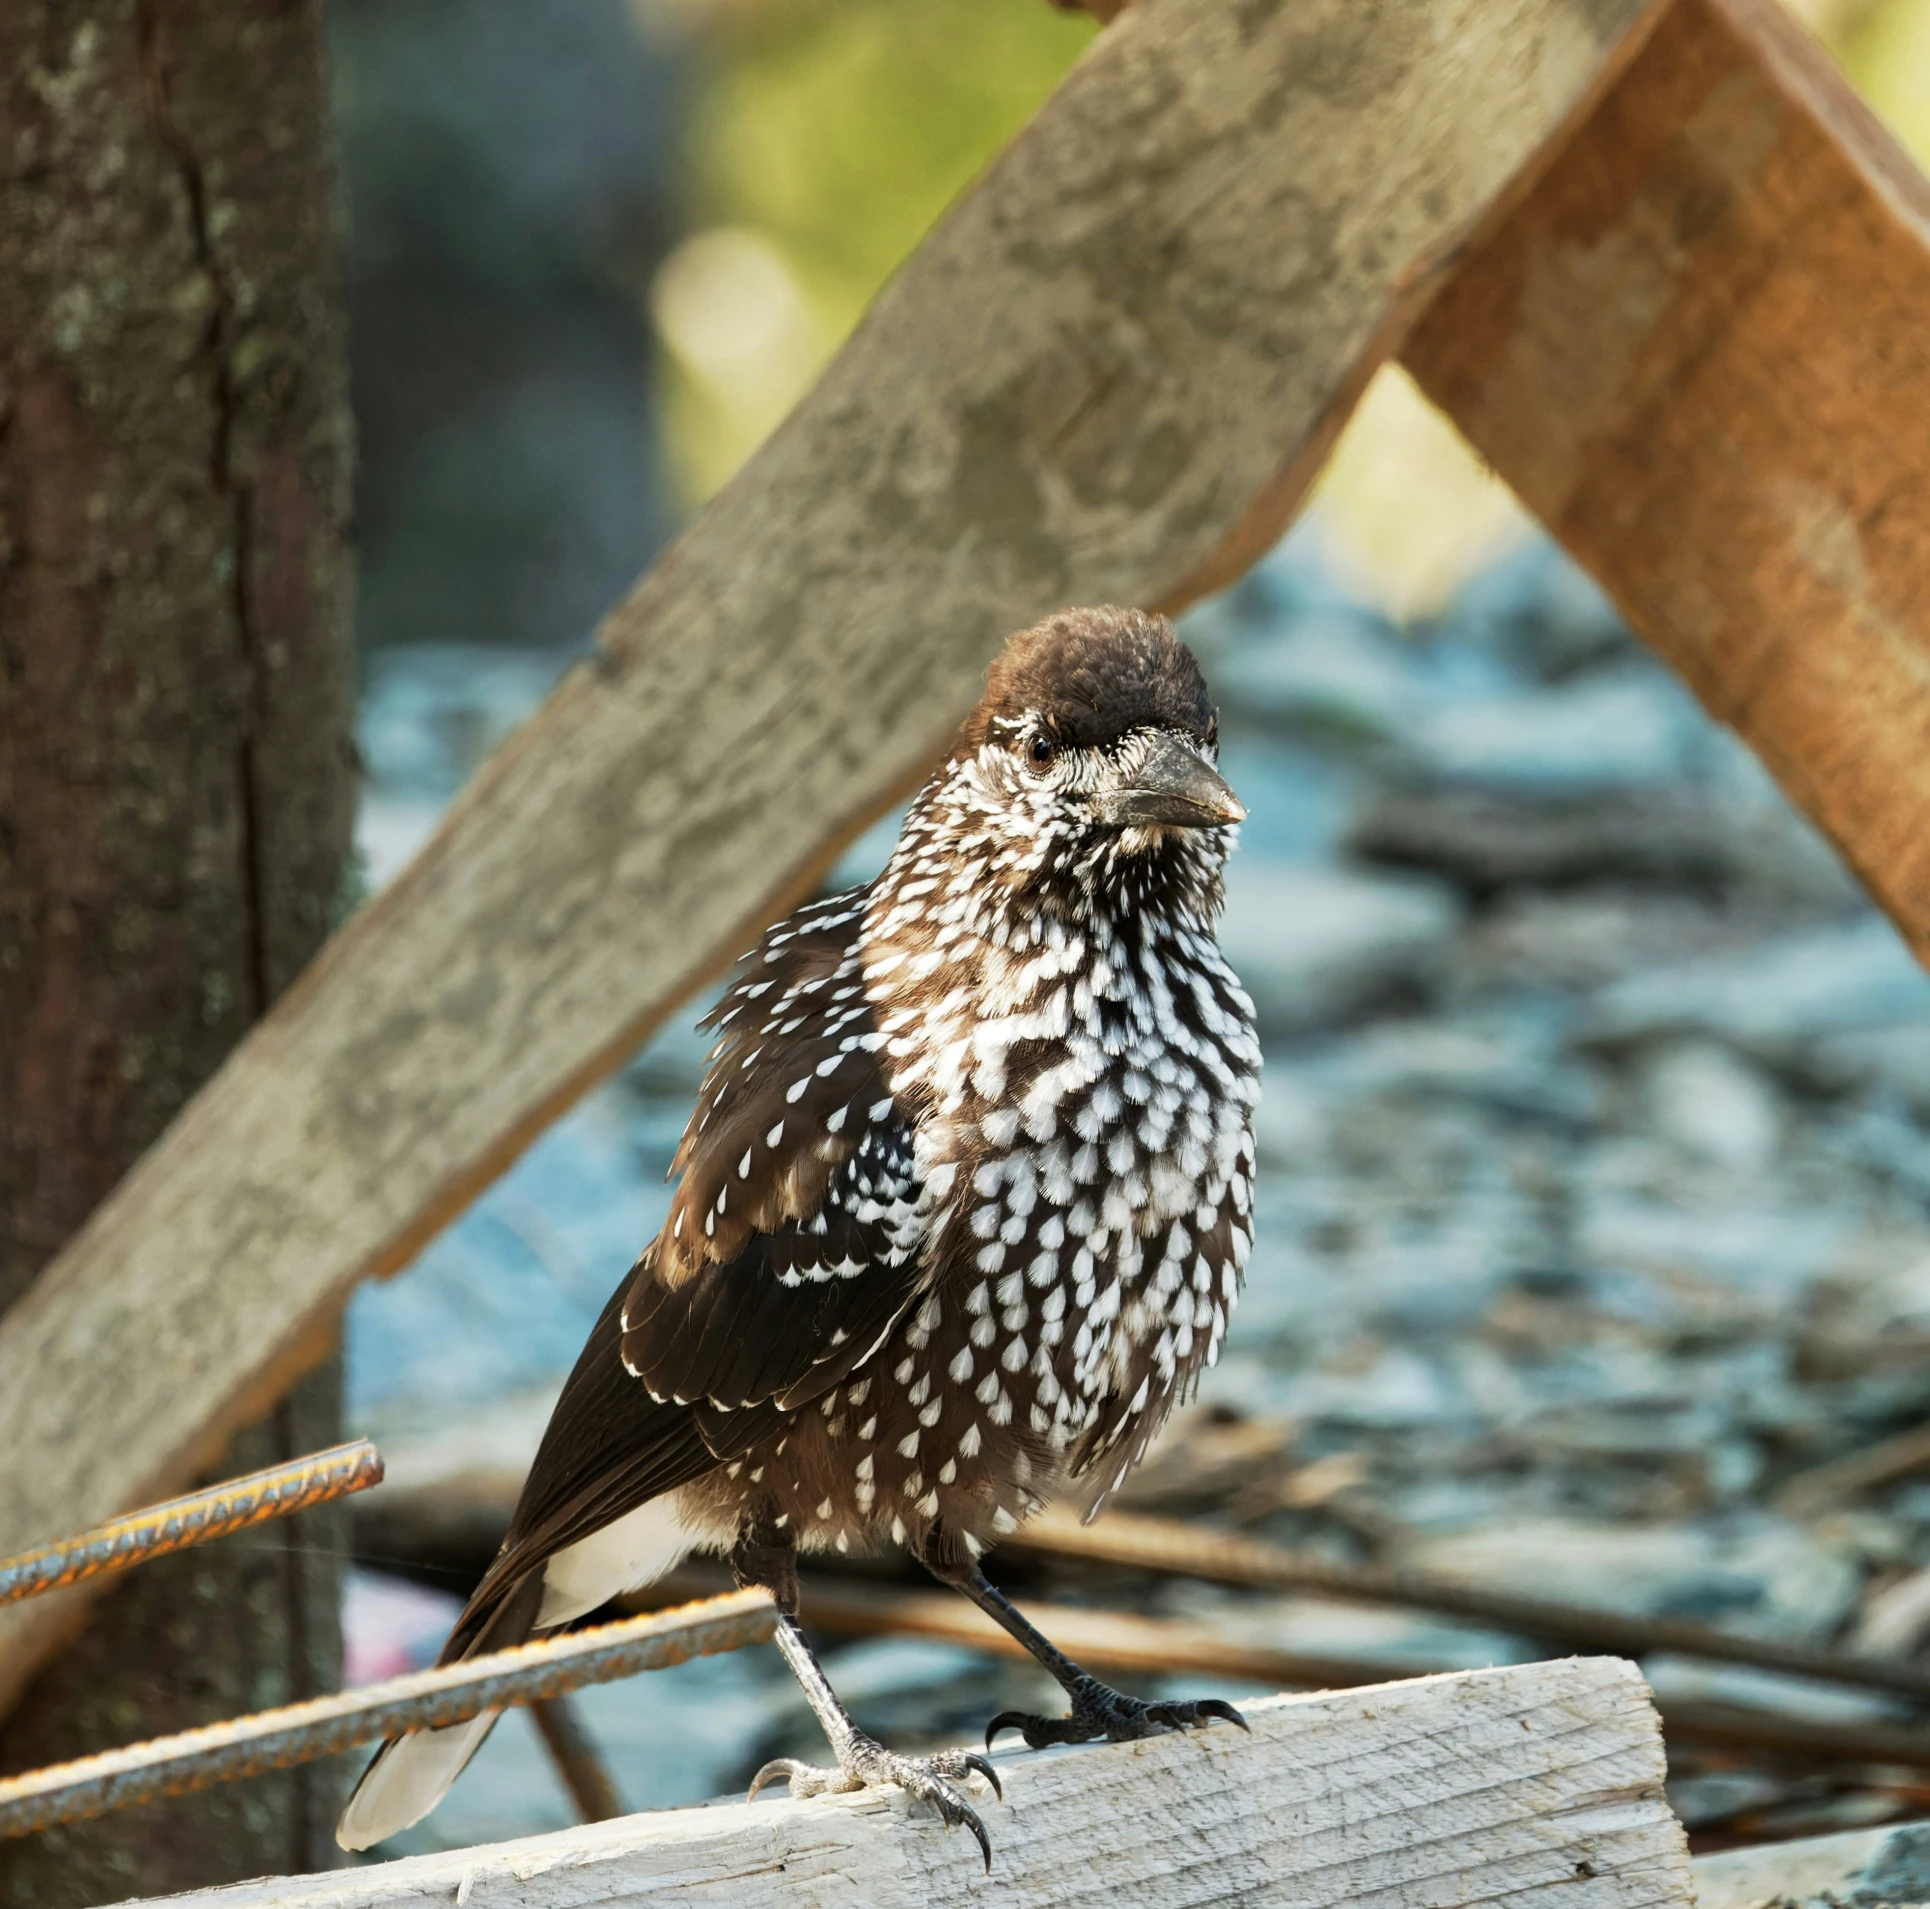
794,1242
795,1239
797,1232
608,1448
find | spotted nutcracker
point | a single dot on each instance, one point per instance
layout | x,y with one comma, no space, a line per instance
961,1211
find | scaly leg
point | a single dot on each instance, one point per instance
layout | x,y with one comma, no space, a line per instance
1097,1709
764,1556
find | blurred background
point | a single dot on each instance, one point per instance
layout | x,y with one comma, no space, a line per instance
1596,1134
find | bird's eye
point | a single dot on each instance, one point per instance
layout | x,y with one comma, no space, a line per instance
1041,752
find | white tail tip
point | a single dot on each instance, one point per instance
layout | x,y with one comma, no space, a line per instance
408,1779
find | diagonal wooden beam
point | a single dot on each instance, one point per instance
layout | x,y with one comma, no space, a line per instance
1699,350
1106,375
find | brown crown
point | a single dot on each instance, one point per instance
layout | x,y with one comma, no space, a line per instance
1095,675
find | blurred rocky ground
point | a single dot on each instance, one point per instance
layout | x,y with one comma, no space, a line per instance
1592,1211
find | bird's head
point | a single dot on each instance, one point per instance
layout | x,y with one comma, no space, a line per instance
1085,776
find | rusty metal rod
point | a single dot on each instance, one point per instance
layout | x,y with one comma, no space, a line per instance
200,1516
1168,1546
426,1699
1150,1646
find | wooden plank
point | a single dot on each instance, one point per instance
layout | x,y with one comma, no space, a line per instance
1535,1785
1868,1866
1153,311
1700,351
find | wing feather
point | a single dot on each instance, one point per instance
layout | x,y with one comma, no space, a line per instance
790,1248
608,1448
794,1236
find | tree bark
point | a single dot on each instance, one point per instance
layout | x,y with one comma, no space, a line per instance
176,772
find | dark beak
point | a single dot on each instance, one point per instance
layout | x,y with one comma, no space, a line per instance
1172,788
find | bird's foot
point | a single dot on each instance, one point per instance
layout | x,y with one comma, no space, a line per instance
1100,1711
865,1764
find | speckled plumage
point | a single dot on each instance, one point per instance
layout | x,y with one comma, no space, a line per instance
963,1206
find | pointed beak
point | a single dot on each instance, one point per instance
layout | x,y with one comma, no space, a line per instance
1172,788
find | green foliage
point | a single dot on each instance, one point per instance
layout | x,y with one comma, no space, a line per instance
1885,48
838,132
844,130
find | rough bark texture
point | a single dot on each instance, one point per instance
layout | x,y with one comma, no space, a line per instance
1072,393
175,767
1698,351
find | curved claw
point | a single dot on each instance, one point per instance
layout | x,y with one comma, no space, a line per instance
985,1770
1005,1720
867,1763
1218,1707
1106,1714
931,1782
970,1817
777,1767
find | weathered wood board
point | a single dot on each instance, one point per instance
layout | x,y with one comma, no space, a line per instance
1867,1867
1700,351
1111,368
1539,1785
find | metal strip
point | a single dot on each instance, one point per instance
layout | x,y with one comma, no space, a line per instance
200,1516
427,1699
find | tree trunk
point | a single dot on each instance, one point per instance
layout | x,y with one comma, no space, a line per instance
175,773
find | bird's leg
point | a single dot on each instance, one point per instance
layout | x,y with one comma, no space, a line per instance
1097,1709
765,1556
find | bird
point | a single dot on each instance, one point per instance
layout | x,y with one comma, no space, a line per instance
960,1214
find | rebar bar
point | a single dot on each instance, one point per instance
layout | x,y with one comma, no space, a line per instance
200,1516
426,1699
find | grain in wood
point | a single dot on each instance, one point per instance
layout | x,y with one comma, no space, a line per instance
1699,351
1538,1786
